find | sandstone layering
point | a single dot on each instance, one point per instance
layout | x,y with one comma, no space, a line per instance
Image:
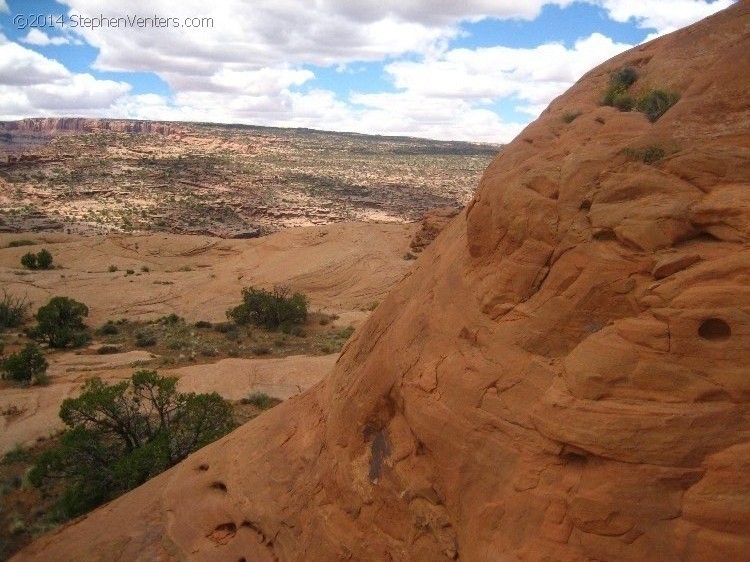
565,375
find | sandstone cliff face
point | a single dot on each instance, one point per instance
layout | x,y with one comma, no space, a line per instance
49,126
565,375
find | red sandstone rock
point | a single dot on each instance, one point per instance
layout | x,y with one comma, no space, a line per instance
532,390
433,223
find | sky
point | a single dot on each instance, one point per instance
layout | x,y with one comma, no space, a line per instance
476,70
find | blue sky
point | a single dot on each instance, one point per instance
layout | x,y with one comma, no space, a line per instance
471,70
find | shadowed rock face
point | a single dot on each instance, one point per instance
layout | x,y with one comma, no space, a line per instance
565,375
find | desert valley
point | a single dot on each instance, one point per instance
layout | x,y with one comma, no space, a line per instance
530,352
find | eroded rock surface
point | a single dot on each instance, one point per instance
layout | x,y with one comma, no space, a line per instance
547,384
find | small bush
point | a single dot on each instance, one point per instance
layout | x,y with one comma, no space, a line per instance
209,351
12,310
145,269
324,321
648,155
144,339
28,260
261,400
570,116
409,256
298,332
261,350
175,344
617,94
203,324
40,260
108,350
224,327
171,320
269,309
655,103
112,268
345,333
19,243
129,271
26,366
108,329
44,259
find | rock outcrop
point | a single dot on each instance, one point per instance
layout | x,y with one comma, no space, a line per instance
433,223
565,375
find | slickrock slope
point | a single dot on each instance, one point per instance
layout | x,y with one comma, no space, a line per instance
564,376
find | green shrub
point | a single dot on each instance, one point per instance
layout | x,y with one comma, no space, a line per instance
224,327
121,435
40,260
28,260
19,243
617,94
203,324
12,310
655,103
108,350
44,259
60,322
171,319
108,329
144,339
269,309
26,366
261,400
570,116
345,333
648,155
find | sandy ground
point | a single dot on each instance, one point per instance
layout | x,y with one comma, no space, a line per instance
343,268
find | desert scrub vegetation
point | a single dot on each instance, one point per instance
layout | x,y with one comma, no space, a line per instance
655,103
120,435
570,116
652,102
13,310
60,323
617,94
21,242
27,366
261,400
40,260
647,155
269,309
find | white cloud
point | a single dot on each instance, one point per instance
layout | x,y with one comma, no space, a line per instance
32,84
535,75
665,15
41,39
4,6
